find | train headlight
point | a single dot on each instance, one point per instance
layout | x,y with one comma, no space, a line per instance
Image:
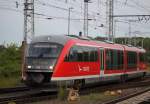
29,66
50,67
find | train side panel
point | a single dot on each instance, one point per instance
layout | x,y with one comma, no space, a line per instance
74,70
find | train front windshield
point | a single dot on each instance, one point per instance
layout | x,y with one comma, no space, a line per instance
43,55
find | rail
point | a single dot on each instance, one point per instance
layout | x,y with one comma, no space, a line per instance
30,95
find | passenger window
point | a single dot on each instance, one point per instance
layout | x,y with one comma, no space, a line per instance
114,59
131,59
82,54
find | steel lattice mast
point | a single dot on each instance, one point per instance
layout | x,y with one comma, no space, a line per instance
109,19
85,27
28,30
28,19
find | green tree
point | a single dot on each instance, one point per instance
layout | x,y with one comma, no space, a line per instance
10,60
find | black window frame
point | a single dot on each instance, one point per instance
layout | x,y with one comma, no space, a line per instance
114,59
132,59
83,54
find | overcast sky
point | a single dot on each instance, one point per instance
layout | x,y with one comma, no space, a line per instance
12,19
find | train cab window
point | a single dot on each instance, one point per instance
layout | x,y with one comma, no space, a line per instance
131,59
43,50
114,59
82,54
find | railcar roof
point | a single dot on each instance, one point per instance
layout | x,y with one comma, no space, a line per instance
100,44
62,39
132,48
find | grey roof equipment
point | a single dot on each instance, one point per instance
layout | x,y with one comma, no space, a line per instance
60,39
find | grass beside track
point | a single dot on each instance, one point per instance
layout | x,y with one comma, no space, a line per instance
6,82
92,98
97,97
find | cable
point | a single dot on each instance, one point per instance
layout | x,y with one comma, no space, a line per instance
75,2
55,17
11,9
40,14
140,6
57,7
12,1
130,5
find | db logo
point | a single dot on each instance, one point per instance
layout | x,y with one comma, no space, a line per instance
85,68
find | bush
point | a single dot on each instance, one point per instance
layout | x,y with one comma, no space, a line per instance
10,60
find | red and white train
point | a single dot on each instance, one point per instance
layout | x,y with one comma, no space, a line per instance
67,58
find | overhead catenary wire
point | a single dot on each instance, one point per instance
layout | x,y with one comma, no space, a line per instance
50,5
66,8
15,2
141,6
57,7
47,17
44,16
10,9
133,5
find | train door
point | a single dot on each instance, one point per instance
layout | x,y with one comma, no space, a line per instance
101,61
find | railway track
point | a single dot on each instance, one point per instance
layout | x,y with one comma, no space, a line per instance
26,95
116,86
21,88
125,97
14,89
